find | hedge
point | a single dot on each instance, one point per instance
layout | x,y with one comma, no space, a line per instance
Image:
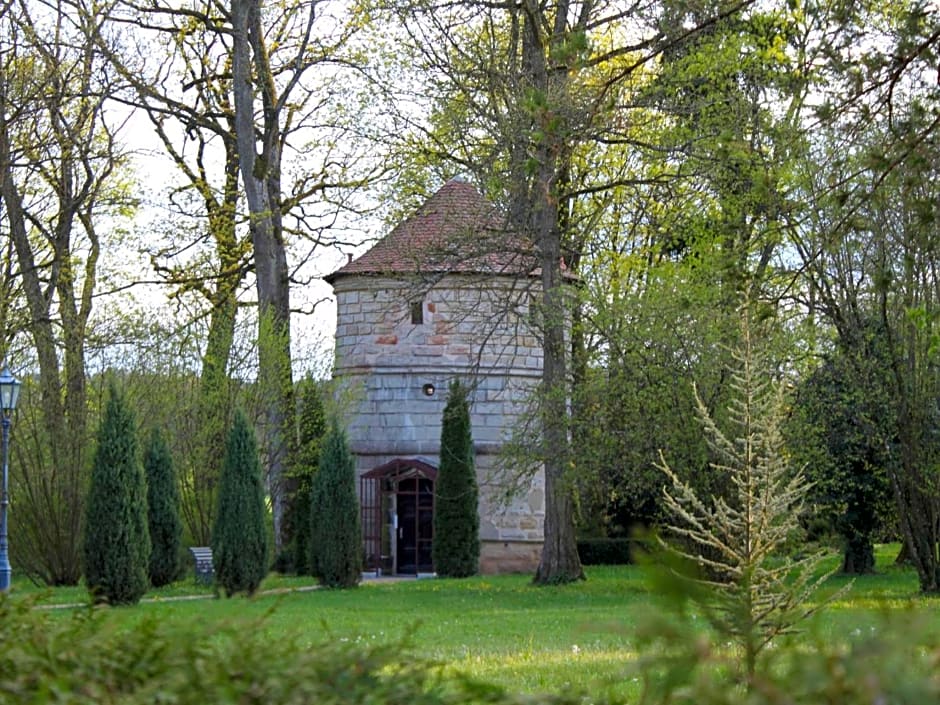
605,551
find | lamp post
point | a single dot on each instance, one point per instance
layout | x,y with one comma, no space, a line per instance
9,393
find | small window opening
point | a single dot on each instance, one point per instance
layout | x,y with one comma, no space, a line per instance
417,312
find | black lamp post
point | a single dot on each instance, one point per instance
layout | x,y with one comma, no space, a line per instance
9,393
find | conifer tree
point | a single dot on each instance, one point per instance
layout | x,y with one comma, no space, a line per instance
312,427
335,536
163,512
239,538
752,591
456,547
116,539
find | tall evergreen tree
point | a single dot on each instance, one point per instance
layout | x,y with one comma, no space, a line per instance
335,536
117,543
239,539
312,427
456,547
163,512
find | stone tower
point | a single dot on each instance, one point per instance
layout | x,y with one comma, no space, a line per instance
443,296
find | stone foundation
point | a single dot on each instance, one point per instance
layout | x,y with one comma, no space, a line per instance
509,557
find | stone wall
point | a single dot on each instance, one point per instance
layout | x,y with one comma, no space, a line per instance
468,323
472,330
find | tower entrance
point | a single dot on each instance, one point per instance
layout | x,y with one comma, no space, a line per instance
397,501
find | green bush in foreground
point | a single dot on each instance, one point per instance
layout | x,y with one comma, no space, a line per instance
85,660
894,661
116,540
239,538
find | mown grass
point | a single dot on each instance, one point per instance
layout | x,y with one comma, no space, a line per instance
501,629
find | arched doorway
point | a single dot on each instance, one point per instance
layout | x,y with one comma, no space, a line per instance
397,501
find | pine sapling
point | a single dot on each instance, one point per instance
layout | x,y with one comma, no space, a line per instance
754,591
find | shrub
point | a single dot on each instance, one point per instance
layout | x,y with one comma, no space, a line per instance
605,551
892,661
87,660
335,534
456,547
116,540
163,512
239,537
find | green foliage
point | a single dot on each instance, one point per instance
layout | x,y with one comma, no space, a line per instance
751,590
892,660
873,258
86,660
312,428
638,397
163,514
721,87
67,194
842,431
49,500
116,540
239,536
456,547
335,533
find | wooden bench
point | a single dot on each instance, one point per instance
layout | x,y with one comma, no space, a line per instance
205,571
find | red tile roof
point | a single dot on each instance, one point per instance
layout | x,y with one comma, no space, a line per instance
457,230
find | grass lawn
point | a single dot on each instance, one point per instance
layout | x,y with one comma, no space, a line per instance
501,628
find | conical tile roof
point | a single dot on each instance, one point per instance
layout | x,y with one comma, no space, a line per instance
457,230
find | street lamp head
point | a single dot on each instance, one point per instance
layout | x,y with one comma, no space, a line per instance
9,391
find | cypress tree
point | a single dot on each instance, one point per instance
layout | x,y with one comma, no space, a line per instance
312,427
116,540
239,539
336,536
163,512
456,547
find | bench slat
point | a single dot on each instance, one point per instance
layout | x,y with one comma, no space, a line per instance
202,557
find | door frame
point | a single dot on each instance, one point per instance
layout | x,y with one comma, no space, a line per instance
378,493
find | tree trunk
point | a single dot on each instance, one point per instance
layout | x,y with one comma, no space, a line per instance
559,562
904,554
261,179
858,557
915,491
214,401
53,491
